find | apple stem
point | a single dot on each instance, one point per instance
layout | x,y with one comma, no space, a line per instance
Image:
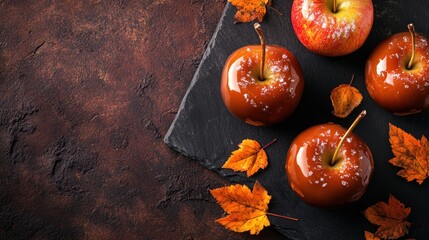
413,45
355,122
258,29
334,7
269,144
281,216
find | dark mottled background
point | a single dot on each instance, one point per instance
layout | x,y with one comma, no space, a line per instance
87,91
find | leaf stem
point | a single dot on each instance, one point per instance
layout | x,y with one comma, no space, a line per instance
281,216
258,29
269,144
351,81
356,121
413,45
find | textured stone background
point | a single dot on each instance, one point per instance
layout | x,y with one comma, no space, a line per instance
87,91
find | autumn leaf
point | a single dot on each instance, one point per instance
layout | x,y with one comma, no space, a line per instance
249,157
391,217
249,10
371,236
247,210
344,99
410,153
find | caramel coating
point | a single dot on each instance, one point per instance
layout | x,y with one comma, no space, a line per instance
313,178
394,87
262,102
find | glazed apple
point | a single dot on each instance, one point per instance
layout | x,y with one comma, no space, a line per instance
262,85
330,27
397,73
329,166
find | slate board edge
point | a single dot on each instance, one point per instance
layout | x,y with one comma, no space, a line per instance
206,54
232,177
167,138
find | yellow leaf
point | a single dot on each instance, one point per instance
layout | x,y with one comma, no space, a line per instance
249,157
247,210
249,10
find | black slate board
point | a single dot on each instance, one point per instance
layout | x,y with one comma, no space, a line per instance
204,130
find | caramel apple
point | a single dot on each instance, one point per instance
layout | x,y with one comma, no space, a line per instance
329,166
397,73
262,85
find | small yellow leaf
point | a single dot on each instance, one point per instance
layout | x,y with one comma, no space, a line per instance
249,157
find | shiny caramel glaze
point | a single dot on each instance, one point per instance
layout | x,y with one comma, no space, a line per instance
313,178
389,82
263,102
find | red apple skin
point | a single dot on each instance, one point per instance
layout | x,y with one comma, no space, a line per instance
262,103
314,180
390,83
327,33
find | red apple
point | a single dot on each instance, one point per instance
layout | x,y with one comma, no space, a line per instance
397,73
328,166
330,27
262,85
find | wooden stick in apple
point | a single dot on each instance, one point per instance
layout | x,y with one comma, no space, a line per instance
413,45
334,7
258,29
355,122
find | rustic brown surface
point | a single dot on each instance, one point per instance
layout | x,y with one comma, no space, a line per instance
87,91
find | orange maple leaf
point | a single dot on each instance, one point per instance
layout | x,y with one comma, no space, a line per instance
249,157
344,99
410,153
249,10
247,210
391,217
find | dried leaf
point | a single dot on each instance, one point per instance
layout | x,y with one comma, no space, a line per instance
249,157
391,218
344,99
410,153
247,210
249,10
371,236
